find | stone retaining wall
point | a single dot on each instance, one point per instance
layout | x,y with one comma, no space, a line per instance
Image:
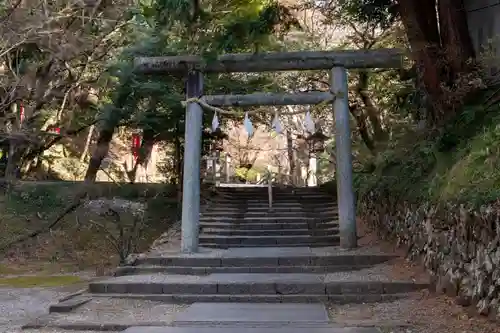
458,245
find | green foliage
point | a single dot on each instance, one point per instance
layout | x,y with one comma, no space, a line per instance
246,174
381,12
33,199
459,164
173,27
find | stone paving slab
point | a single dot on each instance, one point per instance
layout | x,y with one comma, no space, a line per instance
111,314
252,312
240,329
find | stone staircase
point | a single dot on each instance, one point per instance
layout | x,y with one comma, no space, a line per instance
256,268
242,218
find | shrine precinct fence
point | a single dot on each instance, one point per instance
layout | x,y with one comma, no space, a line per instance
336,61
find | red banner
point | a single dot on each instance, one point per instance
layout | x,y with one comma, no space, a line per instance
54,129
136,145
21,112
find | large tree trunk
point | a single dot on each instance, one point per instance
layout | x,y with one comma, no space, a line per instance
421,23
441,51
371,109
455,36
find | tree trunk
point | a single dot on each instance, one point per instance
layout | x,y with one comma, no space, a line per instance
87,144
100,152
371,110
107,129
421,24
148,141
360,117
14,152
455,36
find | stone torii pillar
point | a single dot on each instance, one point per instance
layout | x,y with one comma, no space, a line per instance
345,192
192,159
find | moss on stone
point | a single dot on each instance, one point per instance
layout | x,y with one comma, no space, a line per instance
31,281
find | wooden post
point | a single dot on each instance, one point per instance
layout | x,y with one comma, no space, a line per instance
345,192
192,160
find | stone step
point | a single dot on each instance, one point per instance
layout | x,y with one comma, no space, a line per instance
266,219
256,199
329,213
283,215
267,240
312,245
253,214
193,270
278,218
264,201
297,256
275,208
222,211
255,298
285,327
288,207
226,208
283,199
268,225
309,220
271,232
253,284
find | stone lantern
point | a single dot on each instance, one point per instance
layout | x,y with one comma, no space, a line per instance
316,141
218,140
212,148
213,141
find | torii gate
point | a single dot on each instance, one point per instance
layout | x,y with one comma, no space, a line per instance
336,61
